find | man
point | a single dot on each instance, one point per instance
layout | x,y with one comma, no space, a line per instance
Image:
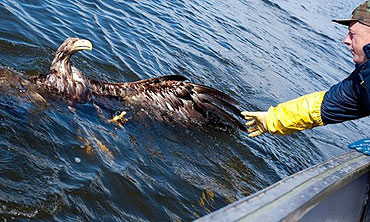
347,100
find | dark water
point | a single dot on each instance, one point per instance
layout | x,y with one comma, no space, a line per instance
259,52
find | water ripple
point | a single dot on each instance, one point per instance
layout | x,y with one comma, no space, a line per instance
259,52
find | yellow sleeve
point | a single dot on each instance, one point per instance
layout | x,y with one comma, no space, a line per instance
295,115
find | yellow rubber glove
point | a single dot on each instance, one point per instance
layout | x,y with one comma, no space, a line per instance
295,115
257,124
292,116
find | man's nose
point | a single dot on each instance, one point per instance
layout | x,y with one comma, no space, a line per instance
347,40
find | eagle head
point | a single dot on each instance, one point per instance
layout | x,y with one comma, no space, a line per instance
63,77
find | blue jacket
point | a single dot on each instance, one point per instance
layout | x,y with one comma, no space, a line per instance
349,99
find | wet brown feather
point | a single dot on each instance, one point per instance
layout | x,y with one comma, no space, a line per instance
175,94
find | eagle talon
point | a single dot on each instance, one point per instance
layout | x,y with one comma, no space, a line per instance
119,119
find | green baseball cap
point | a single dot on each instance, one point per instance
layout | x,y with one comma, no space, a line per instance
360,14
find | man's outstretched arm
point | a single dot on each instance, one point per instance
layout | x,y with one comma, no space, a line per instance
292,116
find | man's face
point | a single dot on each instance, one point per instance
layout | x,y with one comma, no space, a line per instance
358,36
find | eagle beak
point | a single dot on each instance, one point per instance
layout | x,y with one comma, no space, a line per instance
82,44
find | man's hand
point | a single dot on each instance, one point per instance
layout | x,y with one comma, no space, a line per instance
257,124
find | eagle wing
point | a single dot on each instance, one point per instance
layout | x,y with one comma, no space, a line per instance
176,95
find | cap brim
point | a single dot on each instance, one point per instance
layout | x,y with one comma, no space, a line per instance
345,22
